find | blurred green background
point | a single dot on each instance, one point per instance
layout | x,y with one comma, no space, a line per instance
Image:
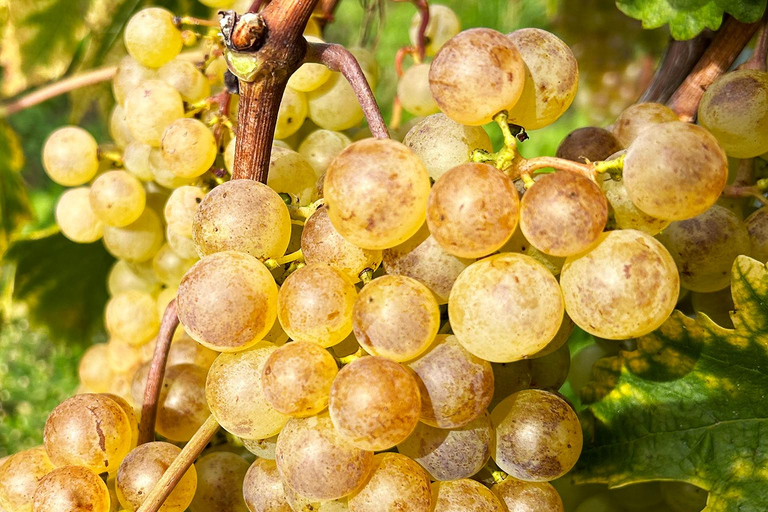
52,291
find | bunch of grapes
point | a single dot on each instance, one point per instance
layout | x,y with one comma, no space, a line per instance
380,319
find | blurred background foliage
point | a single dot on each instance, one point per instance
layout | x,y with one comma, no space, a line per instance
52,291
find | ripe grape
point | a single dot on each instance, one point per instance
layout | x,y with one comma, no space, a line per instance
443,24
235,394
131,316
451,454
396,482
675,171
182,408
291,173
242,215
117,198
220,483
297,378
130,74
519,244
624,287
333,105
316,462
625,213
757,227
683,497
262,448
70,156
505,307
510,378
162,174
184,76
122,277
74,489
181,207
374,403
309,76
76,218
138,241
320,147
188,147
588,144
551,79
20,475
127,407
136,160
315,304
292,113
88,430
705,247
93,369
560,339
376,193
477,74
321,243
181,245
414,93
149,108
118,127
464,495
472,210
152,38
636,118
170,267
263,489
538,436
442,143
551,371
228,301
521,496
735,110
141,470
121,356
456,387
395,317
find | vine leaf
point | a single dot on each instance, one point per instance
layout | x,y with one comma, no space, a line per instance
687,18
15,209
689,404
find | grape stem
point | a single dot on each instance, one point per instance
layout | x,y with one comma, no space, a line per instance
157,373
679,59
326,8
728,43
421,38
189,20
179,466
758,59
116,157
338,58
257,5
273,263
529,165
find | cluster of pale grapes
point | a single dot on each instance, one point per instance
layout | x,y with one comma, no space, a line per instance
376,349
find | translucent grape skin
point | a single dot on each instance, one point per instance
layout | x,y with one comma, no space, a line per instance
262,448
291,173
181,207
505,307
521,496
245,216
151,107
414,93
20,475
472,210
376,193
70,156
395,317
519,244
235,394
321,243
550,371
396,482
130,73
625,213
137,242
74,489
689,163
93,369
117,198
316,462
189,148
624,287
443,24
184,76
551,79
442,143
141,470
705,247
636,118
228,301
374,403
463,495
262,488
152,38
563,213
757,227
297,378
456,387
220,483
88,430
321,147
538,436
588,144
735,110
76,218
309,76
292,113
333,105
475,75
136,160
182,408
451,454
131,316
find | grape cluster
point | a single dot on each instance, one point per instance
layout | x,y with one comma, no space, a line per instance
374,295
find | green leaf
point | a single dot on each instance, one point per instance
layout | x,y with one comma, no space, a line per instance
689,404
15,210
687,18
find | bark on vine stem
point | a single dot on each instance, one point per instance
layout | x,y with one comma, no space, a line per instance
679,59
